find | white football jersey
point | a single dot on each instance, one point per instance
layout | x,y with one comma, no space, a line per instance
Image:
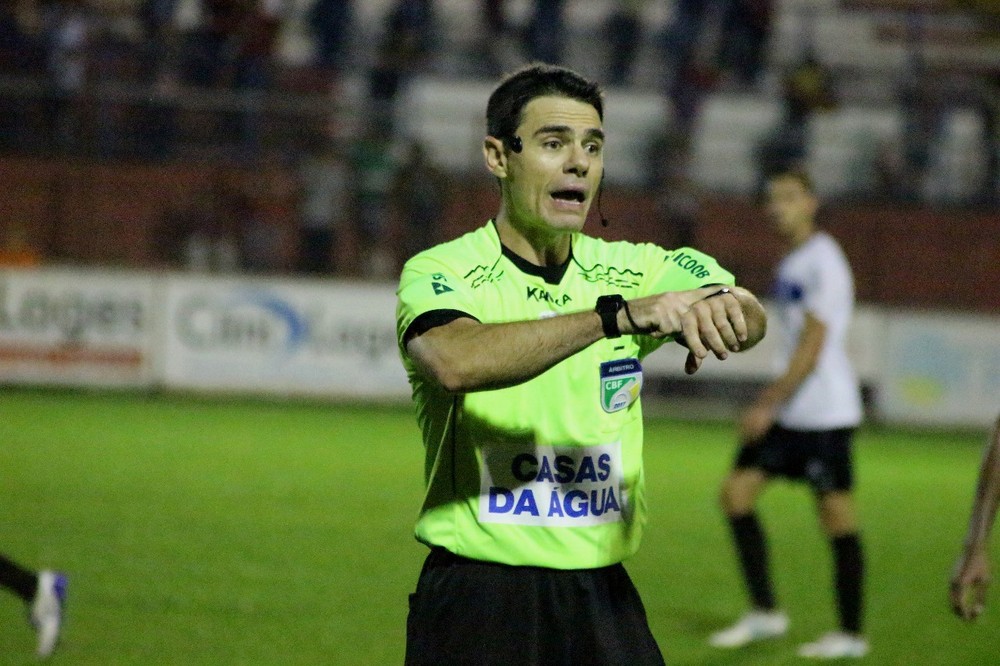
816,278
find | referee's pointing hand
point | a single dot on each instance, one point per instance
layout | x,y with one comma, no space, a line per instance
707,319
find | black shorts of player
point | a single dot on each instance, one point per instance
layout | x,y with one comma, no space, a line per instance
821,458
465,612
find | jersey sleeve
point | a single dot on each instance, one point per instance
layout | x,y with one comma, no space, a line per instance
427,285
687,268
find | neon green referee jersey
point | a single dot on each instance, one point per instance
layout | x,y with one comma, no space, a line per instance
548,472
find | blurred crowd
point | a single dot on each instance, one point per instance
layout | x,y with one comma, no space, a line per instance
245,49
297,82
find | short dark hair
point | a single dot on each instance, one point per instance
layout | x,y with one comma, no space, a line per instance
505,108
795,173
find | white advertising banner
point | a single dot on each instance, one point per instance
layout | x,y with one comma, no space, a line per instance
336,339
76,328
292,337
941,369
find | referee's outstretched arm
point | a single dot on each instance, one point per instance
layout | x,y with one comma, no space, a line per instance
465,355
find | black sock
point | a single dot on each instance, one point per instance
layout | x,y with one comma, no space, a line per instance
20,581
848,563
751,547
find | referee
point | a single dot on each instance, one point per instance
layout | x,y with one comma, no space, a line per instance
523,343
801,426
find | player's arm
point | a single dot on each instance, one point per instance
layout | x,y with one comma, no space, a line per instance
725,319
465,355
971,576
756,421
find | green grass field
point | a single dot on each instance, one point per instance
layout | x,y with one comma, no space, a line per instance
244,532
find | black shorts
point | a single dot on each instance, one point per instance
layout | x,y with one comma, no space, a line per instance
821,458
468,612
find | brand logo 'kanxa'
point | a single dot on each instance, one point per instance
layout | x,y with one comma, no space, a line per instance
546,296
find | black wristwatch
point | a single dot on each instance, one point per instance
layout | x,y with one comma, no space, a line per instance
607,307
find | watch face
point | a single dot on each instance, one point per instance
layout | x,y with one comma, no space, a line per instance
612,303
607,307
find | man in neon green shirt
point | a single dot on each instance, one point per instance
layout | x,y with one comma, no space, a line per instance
523,343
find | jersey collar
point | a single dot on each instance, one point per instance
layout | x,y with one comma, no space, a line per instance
551,274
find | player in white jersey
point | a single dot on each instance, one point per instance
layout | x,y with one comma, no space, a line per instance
801,425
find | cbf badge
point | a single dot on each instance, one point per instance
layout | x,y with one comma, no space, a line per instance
621,382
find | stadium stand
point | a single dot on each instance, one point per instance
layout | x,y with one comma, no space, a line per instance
79,209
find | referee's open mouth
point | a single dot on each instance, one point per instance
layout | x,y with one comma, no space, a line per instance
569,197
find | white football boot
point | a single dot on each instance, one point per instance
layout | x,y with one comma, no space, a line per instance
835,645
755,626
47,610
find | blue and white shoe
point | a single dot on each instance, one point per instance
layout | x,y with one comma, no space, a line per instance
47,610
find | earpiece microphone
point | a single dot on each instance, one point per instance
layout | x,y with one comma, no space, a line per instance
600,190
515,143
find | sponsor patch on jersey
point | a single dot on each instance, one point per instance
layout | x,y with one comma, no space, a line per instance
621,382
552,486
692,261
